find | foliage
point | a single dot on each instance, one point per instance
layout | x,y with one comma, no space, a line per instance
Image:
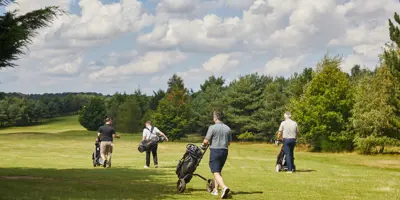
173,114
24,110
371,111
324,109
128,116
248,136
273,106
17,32
366,145
93,114
243,100
205,102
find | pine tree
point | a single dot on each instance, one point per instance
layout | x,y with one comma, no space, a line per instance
129,116
93,114
172,115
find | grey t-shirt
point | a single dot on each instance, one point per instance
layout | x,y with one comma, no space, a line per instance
219,135
289,128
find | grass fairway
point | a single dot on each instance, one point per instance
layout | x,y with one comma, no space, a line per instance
53,161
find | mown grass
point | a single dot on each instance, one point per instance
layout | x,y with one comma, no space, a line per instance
39,165
55,125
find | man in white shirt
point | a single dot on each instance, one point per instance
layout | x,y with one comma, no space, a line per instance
150,132
289,131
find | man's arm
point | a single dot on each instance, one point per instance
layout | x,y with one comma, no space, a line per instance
99,132
208,137
115,135
144,134
161,133
230,138
280,130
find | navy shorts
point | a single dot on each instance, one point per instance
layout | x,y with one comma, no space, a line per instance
217,159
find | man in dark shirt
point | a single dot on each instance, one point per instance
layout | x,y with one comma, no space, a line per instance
106,134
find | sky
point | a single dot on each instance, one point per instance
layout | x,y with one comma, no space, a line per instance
110,46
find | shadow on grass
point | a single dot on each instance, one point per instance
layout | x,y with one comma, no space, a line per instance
305,170
168,167
96,183
391,153
233,193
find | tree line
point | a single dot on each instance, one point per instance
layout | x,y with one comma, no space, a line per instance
21,110
336,111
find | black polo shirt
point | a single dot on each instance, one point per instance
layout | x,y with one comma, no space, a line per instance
106,131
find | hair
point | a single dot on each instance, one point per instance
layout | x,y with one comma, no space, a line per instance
218,114
107,120
148,122
287,115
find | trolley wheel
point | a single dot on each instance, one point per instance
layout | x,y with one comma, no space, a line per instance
278,167
181,185
210,185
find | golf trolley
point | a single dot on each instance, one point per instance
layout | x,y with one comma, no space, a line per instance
187,166
96,153
281,164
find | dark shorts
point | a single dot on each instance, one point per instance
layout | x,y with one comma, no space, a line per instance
217,159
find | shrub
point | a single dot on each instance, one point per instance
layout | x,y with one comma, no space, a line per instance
368,144
247,136
93,114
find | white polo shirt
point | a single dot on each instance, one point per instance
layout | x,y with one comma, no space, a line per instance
150,135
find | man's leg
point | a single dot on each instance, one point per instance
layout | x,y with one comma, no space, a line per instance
219,180
286,148
110,150
102,152
147,159
293,144
223,157
213,162
155,158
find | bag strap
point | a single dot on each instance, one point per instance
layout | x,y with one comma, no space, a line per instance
151,131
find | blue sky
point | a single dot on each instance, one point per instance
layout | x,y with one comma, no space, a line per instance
108,49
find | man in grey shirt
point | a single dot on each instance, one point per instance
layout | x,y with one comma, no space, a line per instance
219,137
289,131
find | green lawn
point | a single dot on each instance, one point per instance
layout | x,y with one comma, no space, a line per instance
56,125
36,164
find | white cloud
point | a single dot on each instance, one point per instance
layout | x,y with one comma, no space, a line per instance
264,26
242,4
280,35
280,66
25,6
151,62
97,24
177,6
68,68
220,63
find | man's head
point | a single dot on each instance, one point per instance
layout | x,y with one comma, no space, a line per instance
147,123
287,115
108,121
218,115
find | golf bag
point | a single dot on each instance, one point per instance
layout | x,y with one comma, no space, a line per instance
187,165
96,153
147,145
189,162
